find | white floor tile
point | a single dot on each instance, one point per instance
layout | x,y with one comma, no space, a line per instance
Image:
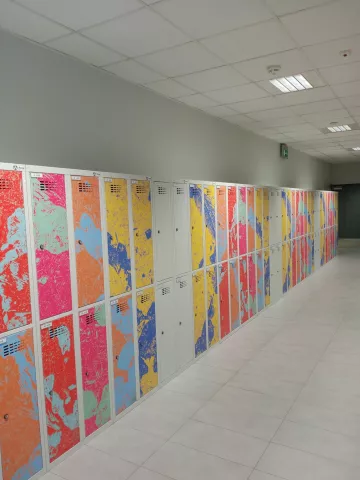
336,400
195,387
171,402
145,474
208,373
256,475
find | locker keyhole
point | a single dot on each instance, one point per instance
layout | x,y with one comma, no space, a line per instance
42,247
177,229
6,417
80,242
86,374
162,333
180,323
117,357
158,231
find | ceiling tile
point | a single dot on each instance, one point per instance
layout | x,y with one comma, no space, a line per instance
347,89
351,101
198,101
134,72
138,33
84,49
328,22
220,111
237,94
181,60
266,103
213,79
305,129
77,14
291,62
328,54
307,96
239,119
341,73
324,119
169,88
354,111
27,24
282,7
275,113
280,122
203,18
250,42
315,107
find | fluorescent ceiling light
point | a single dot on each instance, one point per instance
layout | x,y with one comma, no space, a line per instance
340,128
294,83
357,149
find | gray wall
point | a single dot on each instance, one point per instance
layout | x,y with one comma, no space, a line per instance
345,172
60,112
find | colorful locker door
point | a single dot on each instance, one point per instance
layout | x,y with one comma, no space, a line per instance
289,213
289,268
298,261
51,244
181,228
267,277
244,288
20,444
199,312
234,294
242,220
306,213
61,399
309,255
293,263
87,226
196,220
222,236
15,307
146,332
312,252
224,299
266,218
298,213
293,214
274,271
210,224
259,218
123,353
284,218
252,284
143,238
94,363
212,296
285,264
233,222
118,235
251,219
303,258
260,281
322,210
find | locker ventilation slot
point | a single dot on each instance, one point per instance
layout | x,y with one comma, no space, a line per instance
183,283
57,331
140,189
85,187
162,190
12,348
4,184
221,192
114,188
91,317
121,307
47,186
145,298
180,190
165,291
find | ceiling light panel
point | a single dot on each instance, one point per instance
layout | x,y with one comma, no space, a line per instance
356,149
339,128
294,83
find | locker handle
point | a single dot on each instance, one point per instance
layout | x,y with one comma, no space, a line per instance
180,323
6,417
158,231
176,229
162,333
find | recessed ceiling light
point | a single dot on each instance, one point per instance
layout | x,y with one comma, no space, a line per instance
339,128
295,83
357,149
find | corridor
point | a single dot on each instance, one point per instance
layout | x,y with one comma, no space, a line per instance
280,399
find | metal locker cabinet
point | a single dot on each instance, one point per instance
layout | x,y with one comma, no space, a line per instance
87,226
146,333
302,213
222,224
289,213
164,232
259,218
285,273
275,216
223,279
284,218
233,222
184,348
303,258
20,443
210,224
165,327
267,276
118,235
260,281
309,255
15,307
234,278
251,219
242,216
60,390
316,211
94,364
322,210
51,242
123,351
199,313
252,284
294,279
312,253
196,219
244,288
212,298
298,213
306,214
142,227
322,247
266,218
273,274
181,228
294,208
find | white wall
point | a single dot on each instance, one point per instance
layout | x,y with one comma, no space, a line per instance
60,112
345,172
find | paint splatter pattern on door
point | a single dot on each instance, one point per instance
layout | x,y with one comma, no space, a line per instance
212,292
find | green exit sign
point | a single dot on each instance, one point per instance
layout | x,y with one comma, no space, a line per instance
284,150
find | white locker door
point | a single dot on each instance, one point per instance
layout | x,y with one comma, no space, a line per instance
184,327
165,329
181,229
164,233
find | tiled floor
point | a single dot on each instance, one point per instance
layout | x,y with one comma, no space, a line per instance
280,399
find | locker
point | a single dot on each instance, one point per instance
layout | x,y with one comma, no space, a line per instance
184,325
276,273
266,218
312,253
303,258
289,268
212,296
15,308
322,210
308,255
259,218
284,217
311,211
146,333
299,213
142,227
293,263
196,219
302,213
210,224
222,236
260,281
118,235
244,288
316,211
233,222
224,299
60,389
252,284
164,231
251,219
294,209
242,220
337,209
306,214
285,267
234,278
322,247
275,216
123,352
87,226
20,444
94,364
182,229
298,261
267,277
327,207
166,333
199,312
317,249
289,213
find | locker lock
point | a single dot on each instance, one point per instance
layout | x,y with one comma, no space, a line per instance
117,357
80,242
177,229
158,231
86,374
6,417
162,333
180,323
42,247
